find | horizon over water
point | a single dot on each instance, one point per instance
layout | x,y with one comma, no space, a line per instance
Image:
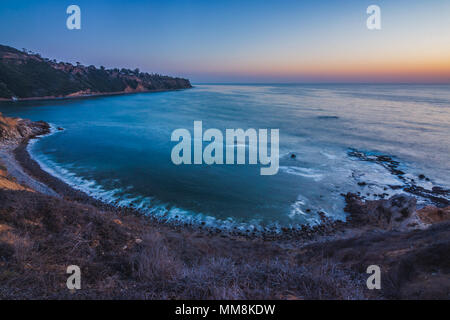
118,148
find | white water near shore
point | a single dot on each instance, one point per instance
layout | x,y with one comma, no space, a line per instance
118,150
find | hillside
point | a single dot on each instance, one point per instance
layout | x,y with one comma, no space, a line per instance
28,75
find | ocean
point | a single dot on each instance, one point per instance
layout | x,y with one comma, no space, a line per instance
118,149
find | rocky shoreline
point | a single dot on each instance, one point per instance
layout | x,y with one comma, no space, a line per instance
396,213
122,245
436,196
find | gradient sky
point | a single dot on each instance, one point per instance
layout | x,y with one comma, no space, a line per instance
242,40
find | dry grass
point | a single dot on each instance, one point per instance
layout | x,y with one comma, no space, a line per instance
9,183
153,261
125,257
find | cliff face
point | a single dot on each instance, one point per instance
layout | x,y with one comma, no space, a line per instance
27,75
14,130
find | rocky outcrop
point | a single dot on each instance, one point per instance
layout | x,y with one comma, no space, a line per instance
14,130
437,196
397,212
387,214
432,214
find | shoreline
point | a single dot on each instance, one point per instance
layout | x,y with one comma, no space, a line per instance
25,160
91,95
354,224
15,169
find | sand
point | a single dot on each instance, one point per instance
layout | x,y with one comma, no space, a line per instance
23,180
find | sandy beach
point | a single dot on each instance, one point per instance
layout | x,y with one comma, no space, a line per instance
15,170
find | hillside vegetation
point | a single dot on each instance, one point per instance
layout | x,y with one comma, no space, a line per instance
27,75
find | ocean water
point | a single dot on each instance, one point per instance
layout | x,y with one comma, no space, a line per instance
118,148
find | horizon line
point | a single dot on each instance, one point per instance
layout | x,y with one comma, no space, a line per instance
317,83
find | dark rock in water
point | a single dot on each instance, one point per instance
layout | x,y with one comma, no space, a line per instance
439,190
437,194
327,117
397,172
60,128
293,156
384,160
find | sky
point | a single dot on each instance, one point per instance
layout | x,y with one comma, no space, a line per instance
242,40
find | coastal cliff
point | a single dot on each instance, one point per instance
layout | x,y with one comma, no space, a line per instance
26,75
14,130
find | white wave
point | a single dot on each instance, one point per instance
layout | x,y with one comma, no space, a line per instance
148,205
329,155
303,172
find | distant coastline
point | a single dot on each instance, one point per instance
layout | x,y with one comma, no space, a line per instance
25,75
85,96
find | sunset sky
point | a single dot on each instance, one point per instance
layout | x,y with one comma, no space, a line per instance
242,40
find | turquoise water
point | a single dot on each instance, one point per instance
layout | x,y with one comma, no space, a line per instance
118,148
